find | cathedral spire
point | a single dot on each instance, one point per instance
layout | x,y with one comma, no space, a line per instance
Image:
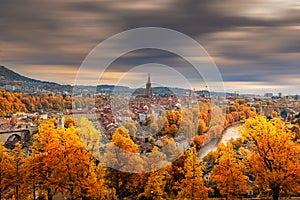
148,87
149,81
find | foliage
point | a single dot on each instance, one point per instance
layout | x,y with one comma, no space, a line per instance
228,172
273,157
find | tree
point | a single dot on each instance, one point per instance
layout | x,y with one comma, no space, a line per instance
121,156
90,136
102,192
65,164
201,127
32,175
5,168
273,157
171,150
16,174
69,121
155,160
173,130
228,172
192,186
155,186
199,141
131,127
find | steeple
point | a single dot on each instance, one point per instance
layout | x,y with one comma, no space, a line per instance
148,87
149,81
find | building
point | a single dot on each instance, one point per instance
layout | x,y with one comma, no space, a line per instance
148,87
148,93
268,94
10,88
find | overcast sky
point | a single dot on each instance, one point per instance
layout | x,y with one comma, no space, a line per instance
255,43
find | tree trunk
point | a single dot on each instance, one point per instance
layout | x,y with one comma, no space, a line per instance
34,197
17,192
275,191
117,184
49,194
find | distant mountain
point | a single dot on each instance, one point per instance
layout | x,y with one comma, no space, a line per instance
10,75
11,80
112,87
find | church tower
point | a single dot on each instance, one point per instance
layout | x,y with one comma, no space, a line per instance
148,88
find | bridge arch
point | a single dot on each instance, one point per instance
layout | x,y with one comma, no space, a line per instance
12,139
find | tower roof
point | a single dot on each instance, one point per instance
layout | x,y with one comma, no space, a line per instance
149,81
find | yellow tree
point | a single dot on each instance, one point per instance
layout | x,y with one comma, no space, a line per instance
75,172
155,187
90,136
65,164
32,168
16,174
158,172
192,186
228,172
273,157
102,191
202,128
69,121
155,160
131,127
6,168
121,156
46,149
171,150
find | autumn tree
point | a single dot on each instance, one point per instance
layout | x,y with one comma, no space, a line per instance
192,186
69,121
131,127
273,157
121,156
199,141
171,150
68,167
201,127
32,168
155,186
16,173
90,136
228,173
6,168
102,192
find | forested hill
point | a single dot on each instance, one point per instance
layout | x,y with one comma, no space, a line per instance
11,80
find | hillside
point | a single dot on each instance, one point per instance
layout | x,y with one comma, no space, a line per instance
10,75
13,81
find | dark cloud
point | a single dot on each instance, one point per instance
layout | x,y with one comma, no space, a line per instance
253,41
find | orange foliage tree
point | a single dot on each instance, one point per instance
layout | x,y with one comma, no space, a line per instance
273,157
66,166
228,172
192,186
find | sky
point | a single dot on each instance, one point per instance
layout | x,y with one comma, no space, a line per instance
255,44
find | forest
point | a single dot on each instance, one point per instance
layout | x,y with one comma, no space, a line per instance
66,162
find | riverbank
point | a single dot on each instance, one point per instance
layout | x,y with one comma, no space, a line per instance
228,133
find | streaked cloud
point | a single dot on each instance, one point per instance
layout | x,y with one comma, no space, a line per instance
252,42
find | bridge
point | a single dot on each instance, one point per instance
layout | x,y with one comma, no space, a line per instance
21,135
